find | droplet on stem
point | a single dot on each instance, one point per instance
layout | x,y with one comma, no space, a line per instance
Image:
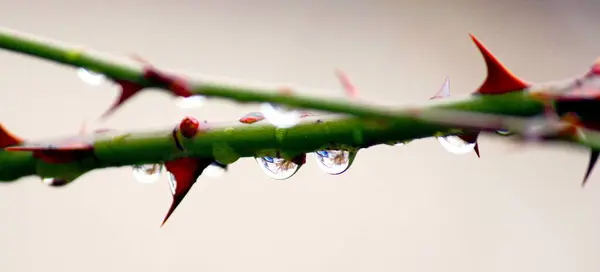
333,162
277,168
190,102
89,77
147,173
280,117
456,145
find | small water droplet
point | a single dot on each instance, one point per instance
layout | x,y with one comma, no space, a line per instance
456,145
147,173
333,162
55,182
279,116
503,132
277,168
172,182
191,102
89,77
214,171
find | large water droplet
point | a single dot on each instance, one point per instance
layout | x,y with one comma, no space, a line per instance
147,173
89,77
191,102
456,145
334,162
277,168
280,117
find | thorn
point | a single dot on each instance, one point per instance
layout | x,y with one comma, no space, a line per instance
7,138
499,79
176,85
592,162
349,88
444,90
185,172
128,90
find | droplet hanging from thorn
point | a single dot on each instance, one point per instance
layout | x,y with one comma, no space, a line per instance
280,117
89,77
277,168
334,162
191,102
456,145
147,173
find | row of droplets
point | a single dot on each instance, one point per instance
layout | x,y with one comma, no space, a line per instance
333,162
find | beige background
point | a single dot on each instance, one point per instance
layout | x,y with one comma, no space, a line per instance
412,208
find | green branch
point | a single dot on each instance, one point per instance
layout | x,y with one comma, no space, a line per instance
360,126
78,57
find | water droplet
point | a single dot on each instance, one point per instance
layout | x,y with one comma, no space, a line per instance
503,132
172,182
277,168
89,77
191,102
214,171
456,145
55,182
147,173
334,162
280,117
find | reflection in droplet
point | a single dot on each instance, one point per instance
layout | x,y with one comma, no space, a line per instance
333,162
280,117
277,168
456,145
191,102
147,173
89,77
172,182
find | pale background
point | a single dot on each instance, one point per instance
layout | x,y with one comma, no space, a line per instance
412,208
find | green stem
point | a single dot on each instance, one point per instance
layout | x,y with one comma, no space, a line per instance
78,57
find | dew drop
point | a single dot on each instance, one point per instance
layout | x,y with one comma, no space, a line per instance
147,173
277,168
503,132
55,182
334,162
89,77
214,171
456,145
280,117
191,102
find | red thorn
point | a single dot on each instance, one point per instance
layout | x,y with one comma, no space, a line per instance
349,88
7,138
185,172
128,90
189,127
592,162
595,70
499,79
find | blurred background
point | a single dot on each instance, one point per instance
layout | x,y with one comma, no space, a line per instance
410,208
